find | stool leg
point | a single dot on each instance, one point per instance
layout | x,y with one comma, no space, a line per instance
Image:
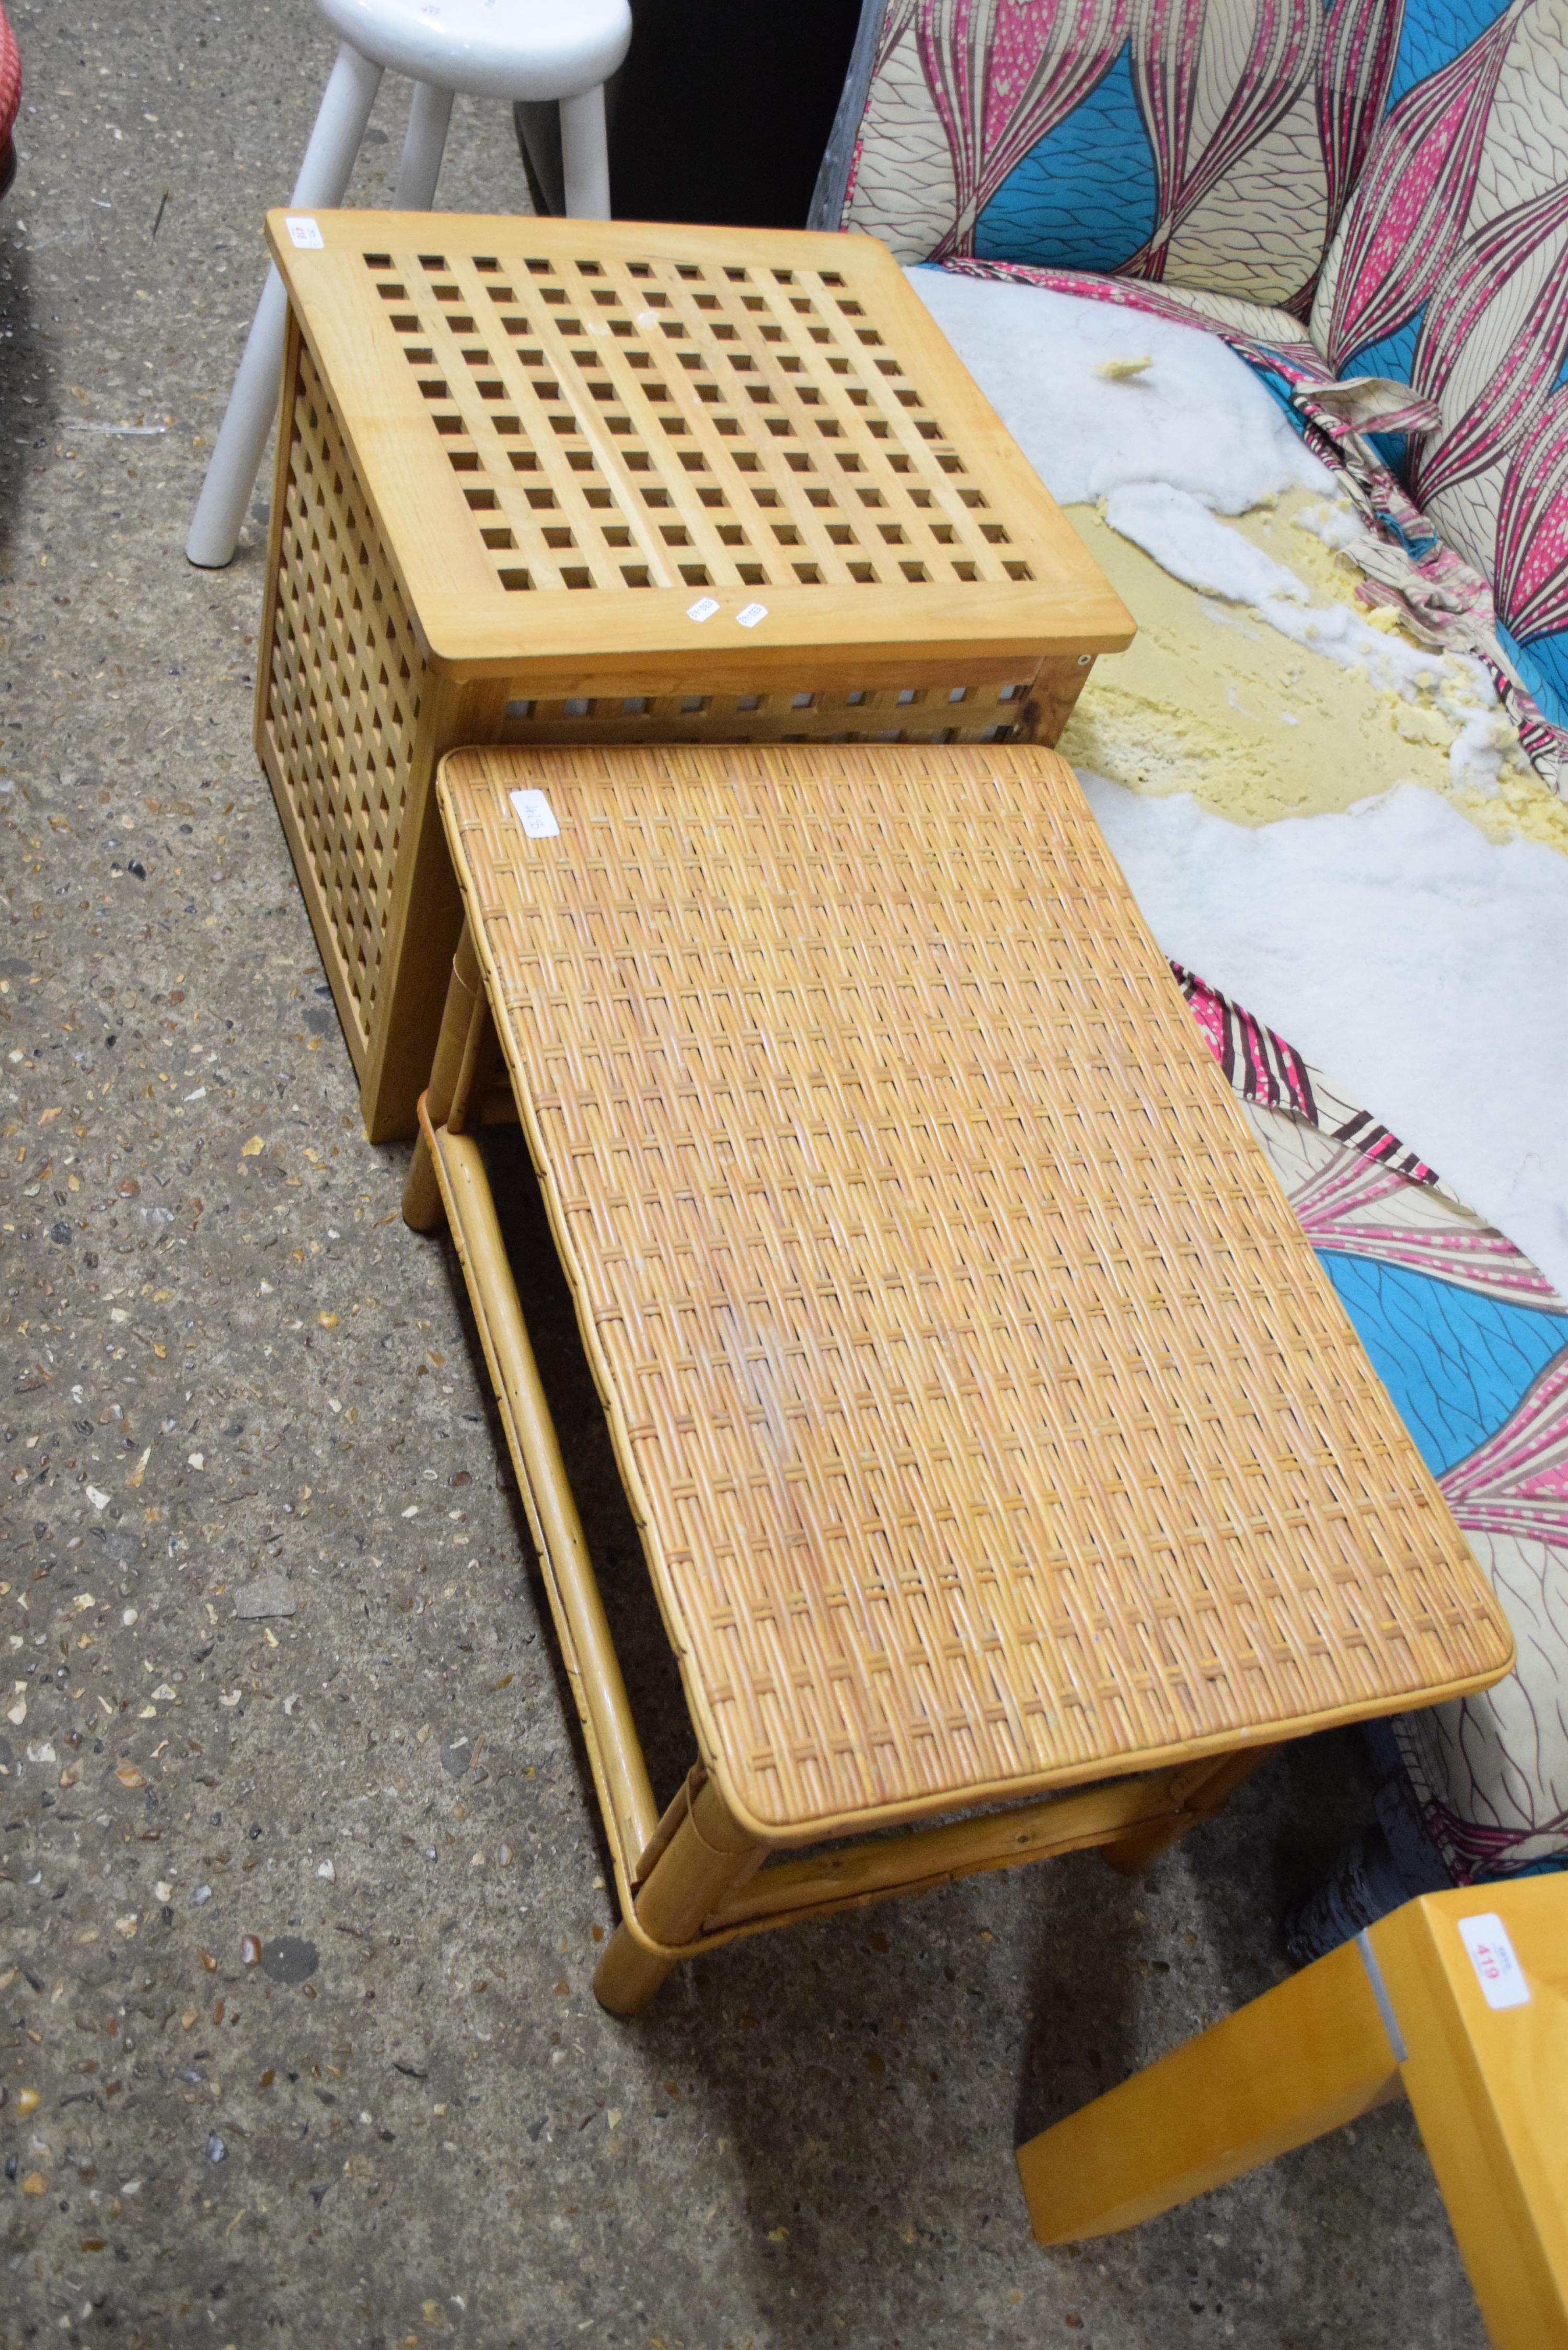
422,149
585,156
706,1858
1308,2056
323,176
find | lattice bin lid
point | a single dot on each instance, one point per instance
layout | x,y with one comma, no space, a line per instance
687,448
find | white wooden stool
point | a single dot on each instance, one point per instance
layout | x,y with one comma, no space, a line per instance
540,49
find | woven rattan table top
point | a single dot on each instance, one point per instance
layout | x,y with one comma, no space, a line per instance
595,441
989,1420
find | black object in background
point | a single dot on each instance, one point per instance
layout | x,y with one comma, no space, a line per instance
721,112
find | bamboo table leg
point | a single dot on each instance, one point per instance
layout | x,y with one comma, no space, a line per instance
463,1051
707,1858
1207,1788
1458,1999
702,1857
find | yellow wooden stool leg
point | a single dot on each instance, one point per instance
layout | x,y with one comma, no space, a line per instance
707,1858
1311,2054
1489,2085
460,1055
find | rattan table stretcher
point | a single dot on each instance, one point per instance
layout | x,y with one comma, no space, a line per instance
564,481
997,1444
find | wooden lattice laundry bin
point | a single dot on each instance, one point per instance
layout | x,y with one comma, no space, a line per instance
545,481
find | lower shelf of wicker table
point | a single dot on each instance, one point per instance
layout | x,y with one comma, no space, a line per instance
1132,1819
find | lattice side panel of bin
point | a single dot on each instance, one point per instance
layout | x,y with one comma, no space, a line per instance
342,681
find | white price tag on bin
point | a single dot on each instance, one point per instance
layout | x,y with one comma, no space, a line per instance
1498,1971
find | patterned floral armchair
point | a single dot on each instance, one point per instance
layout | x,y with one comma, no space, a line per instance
1348,189
1368,199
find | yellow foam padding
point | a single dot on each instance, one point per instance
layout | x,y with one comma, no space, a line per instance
1211,699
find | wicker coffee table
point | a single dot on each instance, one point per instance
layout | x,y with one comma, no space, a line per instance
997,1444
585,481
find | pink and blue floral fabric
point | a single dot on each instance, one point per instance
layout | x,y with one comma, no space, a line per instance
1471,1342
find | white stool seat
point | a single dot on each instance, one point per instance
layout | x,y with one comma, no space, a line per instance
489,48
561,50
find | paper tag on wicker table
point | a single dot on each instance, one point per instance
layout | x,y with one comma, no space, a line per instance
304,232
535,814
1498,1971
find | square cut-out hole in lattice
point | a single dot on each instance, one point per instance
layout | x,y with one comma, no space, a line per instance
663,401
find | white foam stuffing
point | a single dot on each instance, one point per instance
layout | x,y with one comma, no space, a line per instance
1050,364
1338,526
1420,966
1191,542
1171,428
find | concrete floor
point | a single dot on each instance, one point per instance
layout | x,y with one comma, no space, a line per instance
411,2122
